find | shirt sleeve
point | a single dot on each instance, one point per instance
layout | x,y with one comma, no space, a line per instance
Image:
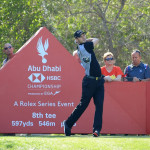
125,71
119,71
147,72
89,46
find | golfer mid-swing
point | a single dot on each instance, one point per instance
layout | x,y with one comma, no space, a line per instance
92,84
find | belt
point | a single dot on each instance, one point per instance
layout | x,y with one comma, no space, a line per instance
96,78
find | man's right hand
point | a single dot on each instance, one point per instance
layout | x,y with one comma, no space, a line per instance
135,79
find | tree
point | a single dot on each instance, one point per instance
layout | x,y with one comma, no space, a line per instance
19,20
121,25
118,24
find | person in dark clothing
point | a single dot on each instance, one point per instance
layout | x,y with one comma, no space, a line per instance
8,50
137,71
92,84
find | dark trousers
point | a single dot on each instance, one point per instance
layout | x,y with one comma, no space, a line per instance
90,88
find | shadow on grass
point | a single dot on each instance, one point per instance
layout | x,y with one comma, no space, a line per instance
7,144
83,136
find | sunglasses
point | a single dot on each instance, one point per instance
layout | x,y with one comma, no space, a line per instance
137,51
5,48
107,59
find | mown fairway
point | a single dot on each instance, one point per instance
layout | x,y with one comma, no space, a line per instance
75,142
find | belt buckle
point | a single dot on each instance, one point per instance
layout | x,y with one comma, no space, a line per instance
96,78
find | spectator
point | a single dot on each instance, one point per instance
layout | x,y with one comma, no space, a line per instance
138,71
110,71
8,50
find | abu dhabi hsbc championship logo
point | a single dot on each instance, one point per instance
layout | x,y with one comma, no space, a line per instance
42,49
36,77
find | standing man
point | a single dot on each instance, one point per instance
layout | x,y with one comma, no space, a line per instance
138,71
92,84
8,50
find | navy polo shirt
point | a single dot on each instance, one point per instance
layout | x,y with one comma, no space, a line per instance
141,71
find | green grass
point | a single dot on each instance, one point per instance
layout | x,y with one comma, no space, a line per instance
75,142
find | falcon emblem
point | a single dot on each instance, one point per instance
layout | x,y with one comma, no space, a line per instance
42,49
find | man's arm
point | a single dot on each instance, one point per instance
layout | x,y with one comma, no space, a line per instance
94,40
147,73
75,54
135,79
148,79
118,78
125,71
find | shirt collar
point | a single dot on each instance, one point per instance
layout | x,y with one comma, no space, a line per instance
140,65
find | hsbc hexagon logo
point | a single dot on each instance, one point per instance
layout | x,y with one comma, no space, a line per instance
36,77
